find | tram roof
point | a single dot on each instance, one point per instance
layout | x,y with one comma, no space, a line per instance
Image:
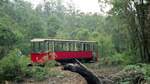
59,40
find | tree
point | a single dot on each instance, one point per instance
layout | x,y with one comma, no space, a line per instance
142,11
8,37
135,14
82,34
54,23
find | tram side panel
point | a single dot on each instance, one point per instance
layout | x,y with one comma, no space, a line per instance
61,55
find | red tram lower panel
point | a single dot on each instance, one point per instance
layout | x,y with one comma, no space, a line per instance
73,54
61,55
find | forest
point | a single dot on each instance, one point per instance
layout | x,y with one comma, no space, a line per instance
122,33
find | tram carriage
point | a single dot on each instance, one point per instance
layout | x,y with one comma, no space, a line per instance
43,50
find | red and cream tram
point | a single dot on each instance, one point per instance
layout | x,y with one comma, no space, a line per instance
55,49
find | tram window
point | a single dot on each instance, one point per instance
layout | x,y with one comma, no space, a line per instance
91,47
67,46
62,46
83,46
35,47
70,46
73,47
39,47
94,47
57,46
78,47
46,46
50,46
42,47
87,46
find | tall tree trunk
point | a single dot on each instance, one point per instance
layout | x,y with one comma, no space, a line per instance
142,15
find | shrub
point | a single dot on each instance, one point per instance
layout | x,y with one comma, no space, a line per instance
115,59
13,67
50,63
118,59
142,68
132,67
39,73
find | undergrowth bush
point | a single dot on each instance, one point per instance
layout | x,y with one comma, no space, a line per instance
39,73
50,63
115,59
142,68
118,59
53,72
13,67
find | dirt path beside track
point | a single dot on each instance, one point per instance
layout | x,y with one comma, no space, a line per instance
73,78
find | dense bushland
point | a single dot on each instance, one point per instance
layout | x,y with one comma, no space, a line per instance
122,33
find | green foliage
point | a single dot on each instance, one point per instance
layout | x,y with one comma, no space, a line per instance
13,66
131,16
39,73
142,68
51,63
7,37
53,25
124,58
132,67
56,73
82,34
146,69
117,59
